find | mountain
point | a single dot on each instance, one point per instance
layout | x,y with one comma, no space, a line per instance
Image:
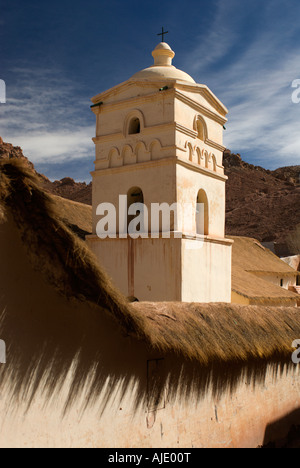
66,188
8,151
260,203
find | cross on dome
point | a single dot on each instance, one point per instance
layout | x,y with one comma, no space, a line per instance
163,33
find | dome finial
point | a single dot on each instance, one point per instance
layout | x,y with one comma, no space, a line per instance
163,55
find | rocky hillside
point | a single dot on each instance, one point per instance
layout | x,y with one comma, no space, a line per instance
66,188
8,151
260,203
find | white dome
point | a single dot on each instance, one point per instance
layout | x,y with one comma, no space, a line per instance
162,68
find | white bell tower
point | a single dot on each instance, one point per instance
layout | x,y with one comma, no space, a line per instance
159,139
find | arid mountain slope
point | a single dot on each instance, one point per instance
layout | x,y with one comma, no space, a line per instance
66,188
260,203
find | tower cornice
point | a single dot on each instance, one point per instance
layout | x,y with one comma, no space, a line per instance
138,100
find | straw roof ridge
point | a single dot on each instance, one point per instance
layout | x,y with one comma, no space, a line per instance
222,332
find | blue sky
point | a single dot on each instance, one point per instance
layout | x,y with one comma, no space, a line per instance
54,56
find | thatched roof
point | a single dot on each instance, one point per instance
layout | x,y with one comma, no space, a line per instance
251,256
77,216
202,332
221,332
250,262
260,291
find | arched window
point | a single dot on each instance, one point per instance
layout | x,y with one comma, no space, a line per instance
134,126
136,222
134,123
200,127
202,214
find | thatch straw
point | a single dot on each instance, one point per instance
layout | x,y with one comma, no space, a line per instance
250,255
77,216
251,262
221,332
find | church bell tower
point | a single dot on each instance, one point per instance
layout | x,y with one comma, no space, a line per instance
159,142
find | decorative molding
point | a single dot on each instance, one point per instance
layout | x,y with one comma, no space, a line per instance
204,91
132,101
178,235
138,100
215,145
202,170
108,137
138,166
146,131
134,151
193,153
199,107
160,162
122,86
185,130
192,87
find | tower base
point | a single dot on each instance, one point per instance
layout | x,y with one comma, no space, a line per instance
186,269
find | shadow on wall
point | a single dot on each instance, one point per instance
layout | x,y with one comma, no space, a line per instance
51,340
284,433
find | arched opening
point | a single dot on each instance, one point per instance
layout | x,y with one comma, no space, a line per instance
190,150
214,163
202,214
114,157
135,219
198,152
200,127
134,126
155,150
206,156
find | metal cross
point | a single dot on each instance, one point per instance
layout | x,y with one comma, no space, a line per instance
163,33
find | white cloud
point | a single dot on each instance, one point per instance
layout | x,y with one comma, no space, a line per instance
46,118
262,115
217,39
255,84
57,146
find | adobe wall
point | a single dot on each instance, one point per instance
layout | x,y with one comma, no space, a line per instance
245,418
281,280
73,379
